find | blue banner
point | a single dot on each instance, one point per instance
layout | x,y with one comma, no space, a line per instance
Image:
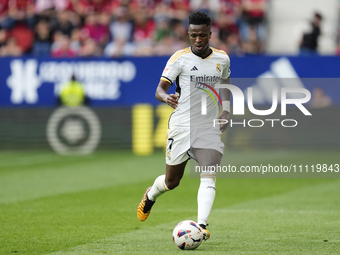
126,81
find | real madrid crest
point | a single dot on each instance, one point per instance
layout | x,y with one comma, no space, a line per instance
218,68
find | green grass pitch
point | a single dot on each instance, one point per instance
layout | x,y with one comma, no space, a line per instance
52,204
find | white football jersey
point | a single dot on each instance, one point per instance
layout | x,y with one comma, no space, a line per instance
196,77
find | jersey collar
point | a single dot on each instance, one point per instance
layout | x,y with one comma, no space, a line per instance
200,56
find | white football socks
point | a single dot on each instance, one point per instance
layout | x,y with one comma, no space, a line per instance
158,188
205,198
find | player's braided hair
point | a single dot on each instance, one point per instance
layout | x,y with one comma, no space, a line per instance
199,18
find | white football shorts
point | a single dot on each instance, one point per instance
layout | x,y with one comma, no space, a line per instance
180,140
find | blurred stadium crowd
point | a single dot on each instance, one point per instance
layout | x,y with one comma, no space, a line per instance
112,28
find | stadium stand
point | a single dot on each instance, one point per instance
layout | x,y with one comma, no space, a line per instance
113,28
71,28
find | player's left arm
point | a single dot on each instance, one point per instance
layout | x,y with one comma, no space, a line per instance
225,95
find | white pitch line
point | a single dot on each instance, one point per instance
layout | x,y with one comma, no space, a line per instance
277,211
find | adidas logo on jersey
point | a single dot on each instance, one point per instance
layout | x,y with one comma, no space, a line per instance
194,69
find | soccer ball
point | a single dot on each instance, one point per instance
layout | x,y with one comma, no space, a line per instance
187,235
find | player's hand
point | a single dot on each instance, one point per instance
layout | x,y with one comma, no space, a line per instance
224,116
172,100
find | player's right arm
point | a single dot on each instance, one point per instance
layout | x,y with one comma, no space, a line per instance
170,72
163,96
